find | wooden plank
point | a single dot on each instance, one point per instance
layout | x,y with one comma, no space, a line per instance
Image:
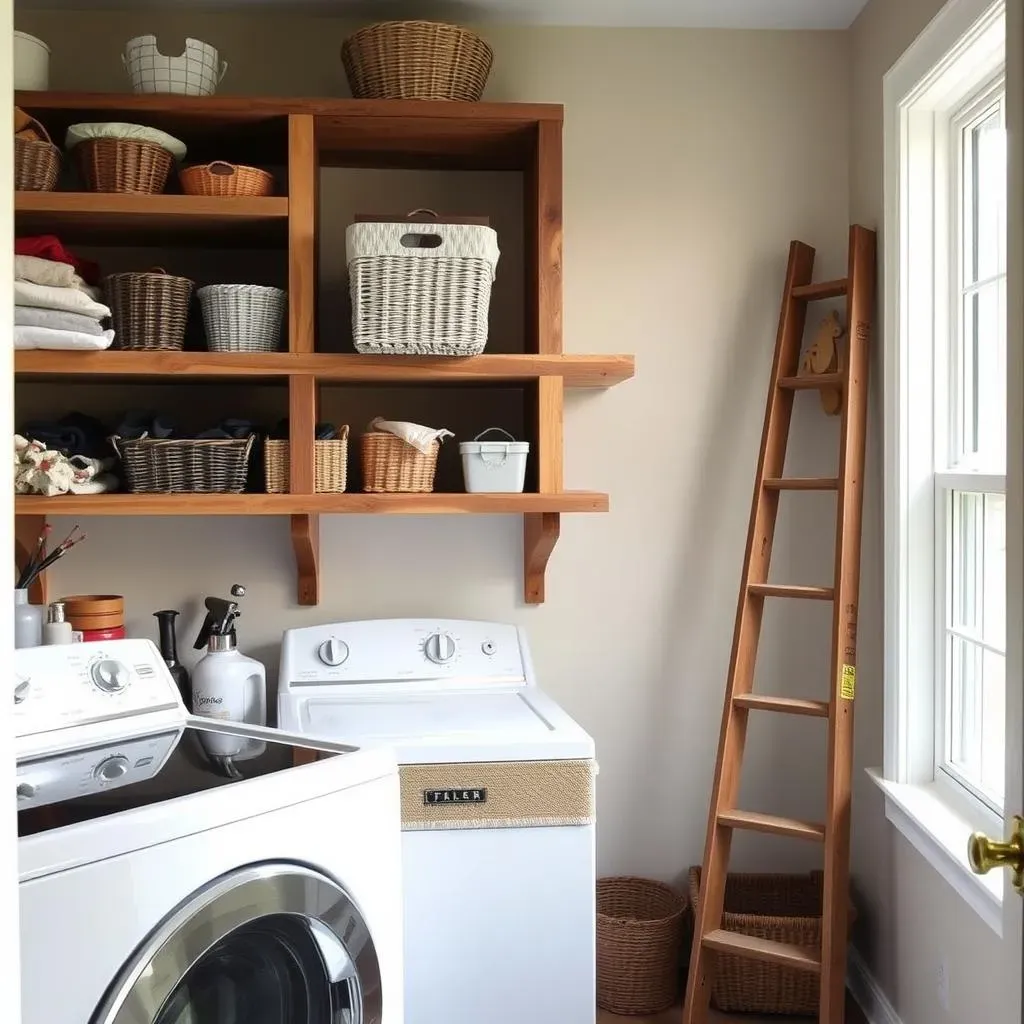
434,503
305,531
550,411
803,958
542,209
577,371
802,483
540,534
302,406
782,705
303,181
773,824
791,591
811,382
821,290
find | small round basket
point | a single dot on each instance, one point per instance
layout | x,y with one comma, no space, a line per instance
416,60
223,179
149,311
392,465
36,162
123,165
639,944
242,317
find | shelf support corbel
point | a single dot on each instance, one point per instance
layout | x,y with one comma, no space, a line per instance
306,542
540,533
26,535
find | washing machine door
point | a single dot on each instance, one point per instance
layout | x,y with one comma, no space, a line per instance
267,944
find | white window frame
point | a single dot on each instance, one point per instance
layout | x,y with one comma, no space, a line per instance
960,51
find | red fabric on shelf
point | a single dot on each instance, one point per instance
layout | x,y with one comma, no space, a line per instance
50,247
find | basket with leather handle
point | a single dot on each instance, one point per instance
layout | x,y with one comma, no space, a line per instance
220,178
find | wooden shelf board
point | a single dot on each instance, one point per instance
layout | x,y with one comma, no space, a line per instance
288,504
105,219
578,371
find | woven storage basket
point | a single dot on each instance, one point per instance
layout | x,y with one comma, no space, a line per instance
331,465
416,60
242,317
223,179
123,165
186,466
149,310
783,908
392,465
36,162
639,942
420,289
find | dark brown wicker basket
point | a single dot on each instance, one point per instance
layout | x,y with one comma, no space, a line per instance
639,941
416,60
186,466
36,162
783,908
149,310
123,165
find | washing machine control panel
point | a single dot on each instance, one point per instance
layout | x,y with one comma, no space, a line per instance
450,652
77,684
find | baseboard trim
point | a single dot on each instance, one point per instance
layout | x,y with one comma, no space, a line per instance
866,991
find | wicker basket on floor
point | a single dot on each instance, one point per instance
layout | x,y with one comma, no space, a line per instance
416,60
36,162
331,465
123,165
639,942
391,465
149,310
186,466
782,908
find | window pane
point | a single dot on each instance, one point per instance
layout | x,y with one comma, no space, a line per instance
994,571
982,378
985,205
965,707
978,567
993,726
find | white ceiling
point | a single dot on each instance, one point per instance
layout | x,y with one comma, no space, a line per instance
818,14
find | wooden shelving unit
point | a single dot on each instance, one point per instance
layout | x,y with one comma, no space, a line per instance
301,136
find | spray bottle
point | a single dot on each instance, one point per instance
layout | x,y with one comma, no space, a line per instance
228,686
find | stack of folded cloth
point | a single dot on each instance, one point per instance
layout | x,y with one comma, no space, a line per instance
55,307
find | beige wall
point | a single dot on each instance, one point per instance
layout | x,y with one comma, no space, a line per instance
691,159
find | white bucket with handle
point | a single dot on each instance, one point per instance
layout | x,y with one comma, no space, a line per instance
31,62
490,466
195,72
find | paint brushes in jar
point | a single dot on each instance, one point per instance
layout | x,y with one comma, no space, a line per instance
39,564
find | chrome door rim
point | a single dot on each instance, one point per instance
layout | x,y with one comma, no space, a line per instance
230,902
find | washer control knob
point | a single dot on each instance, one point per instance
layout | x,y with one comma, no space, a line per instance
440,648
488,647
21,688
110,676
112,768
26,791
333,652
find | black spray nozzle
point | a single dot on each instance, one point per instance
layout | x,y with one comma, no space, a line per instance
220,617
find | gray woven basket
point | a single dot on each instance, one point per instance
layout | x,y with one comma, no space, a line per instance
242,317
185,466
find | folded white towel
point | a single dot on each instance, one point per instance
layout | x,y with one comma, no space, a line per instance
56,320
420,437
71,299
46,337
49,272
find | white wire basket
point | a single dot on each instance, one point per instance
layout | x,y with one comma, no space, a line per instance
420,289
242,317
196,72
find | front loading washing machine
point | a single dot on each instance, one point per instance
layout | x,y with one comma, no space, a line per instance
497,809
158,887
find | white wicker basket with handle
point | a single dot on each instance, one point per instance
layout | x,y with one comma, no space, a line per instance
196,72
420,289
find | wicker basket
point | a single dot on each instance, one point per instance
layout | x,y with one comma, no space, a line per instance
149,310
242,317
330,465
123,165
639,942
393,465
420,289
223,179
36,162
783,908
416,60
185,466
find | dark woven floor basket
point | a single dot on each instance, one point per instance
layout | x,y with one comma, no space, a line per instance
149,310
783,908
123,165
639,942
186,466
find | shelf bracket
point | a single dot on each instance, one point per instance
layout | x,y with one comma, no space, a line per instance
26,536
540,532
306,542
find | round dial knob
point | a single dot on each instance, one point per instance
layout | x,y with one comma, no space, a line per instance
333,652
112,768
110,676
440,648
21,688
26,791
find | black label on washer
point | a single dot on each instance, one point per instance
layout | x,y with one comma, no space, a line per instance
454,796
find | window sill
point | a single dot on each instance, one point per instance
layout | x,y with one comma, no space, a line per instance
940,835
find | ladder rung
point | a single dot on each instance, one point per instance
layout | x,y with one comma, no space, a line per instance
821,290
811,382
803,958
784,705
754,821
786,590
801,483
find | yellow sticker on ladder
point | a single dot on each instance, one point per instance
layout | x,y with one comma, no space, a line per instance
848,683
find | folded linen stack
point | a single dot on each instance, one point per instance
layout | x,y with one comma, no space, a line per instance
54,306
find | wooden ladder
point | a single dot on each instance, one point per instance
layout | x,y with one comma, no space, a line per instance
710,939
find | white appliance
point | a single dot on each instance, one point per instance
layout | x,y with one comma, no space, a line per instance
156,890
497,809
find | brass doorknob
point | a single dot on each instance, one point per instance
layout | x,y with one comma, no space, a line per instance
985,854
